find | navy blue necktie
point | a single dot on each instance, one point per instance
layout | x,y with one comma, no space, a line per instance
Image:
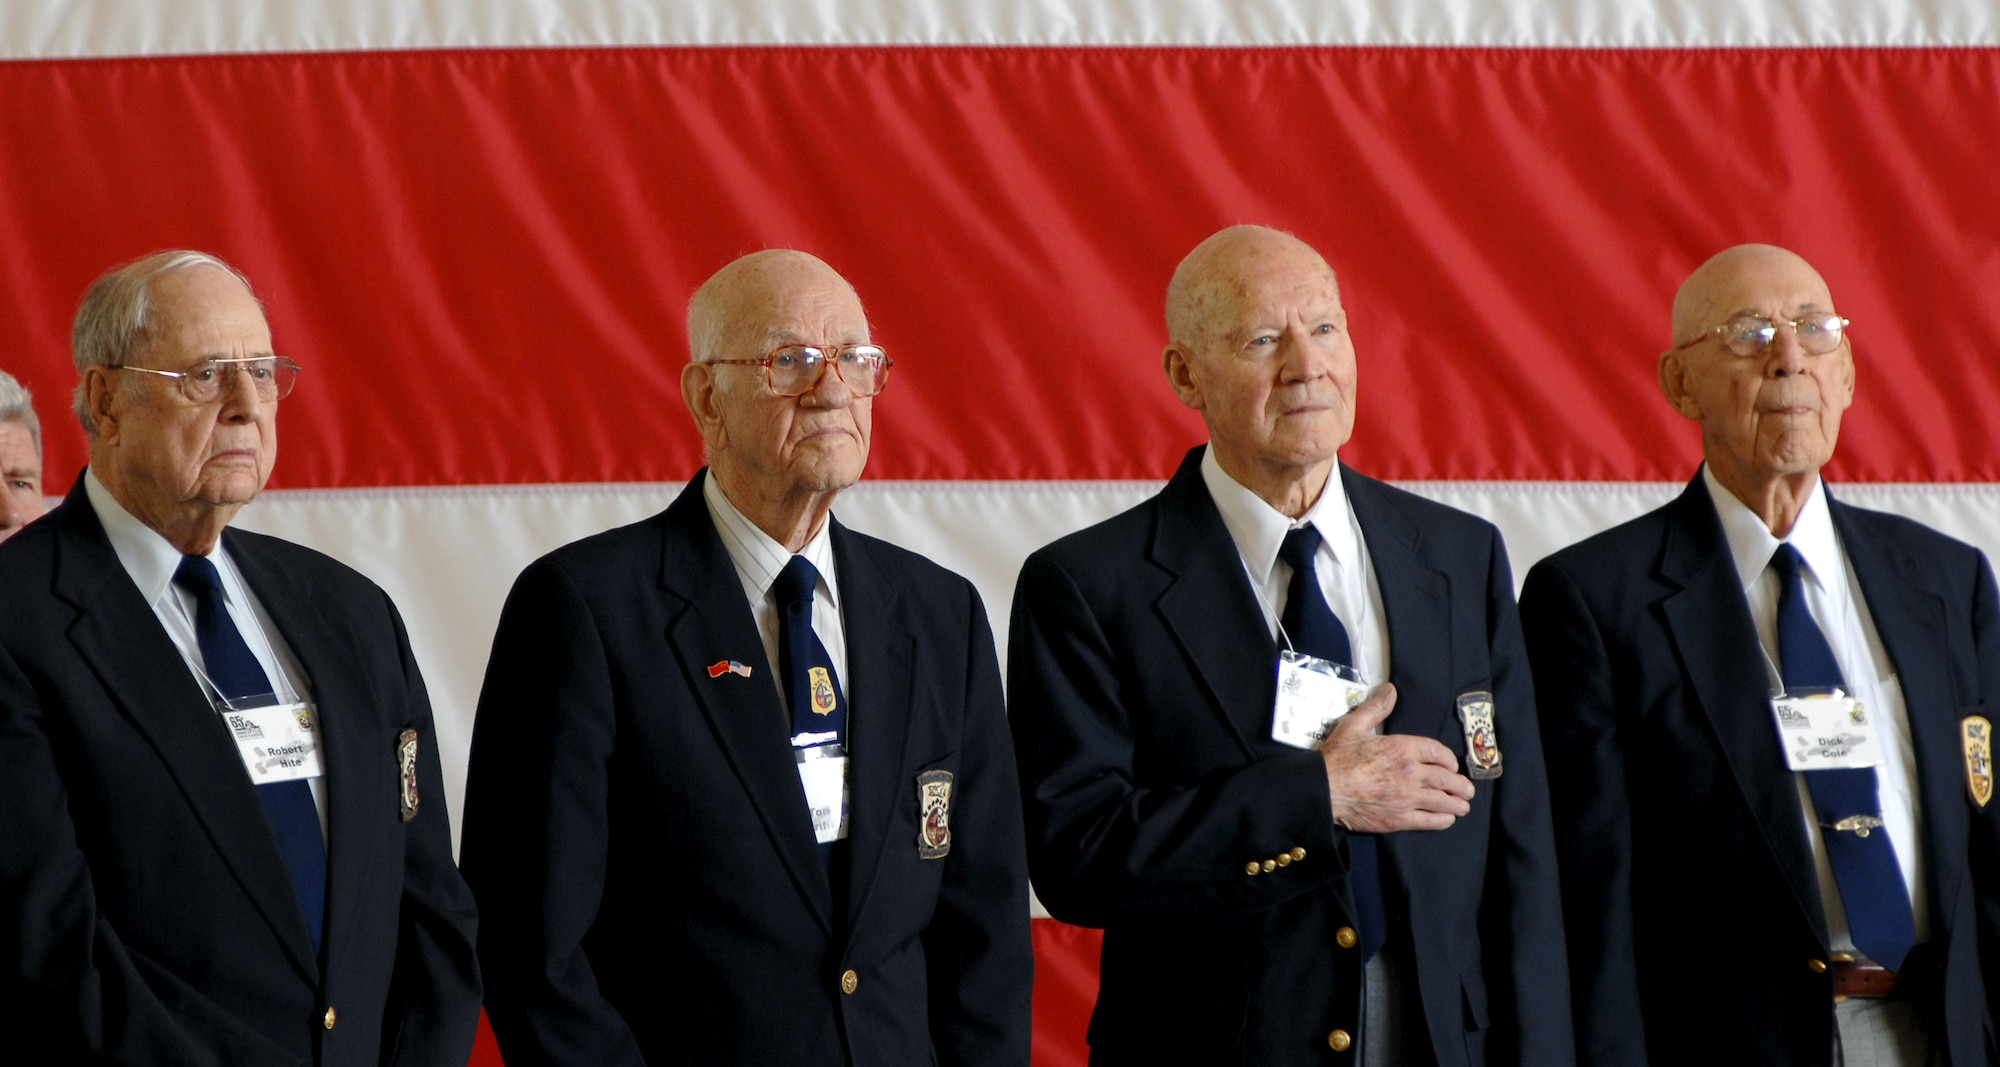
235,672
1863,860
1316,631
812,687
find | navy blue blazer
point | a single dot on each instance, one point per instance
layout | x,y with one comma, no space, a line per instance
1141,684
1688,880
148,917
638,839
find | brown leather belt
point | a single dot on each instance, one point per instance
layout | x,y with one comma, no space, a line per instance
1862,978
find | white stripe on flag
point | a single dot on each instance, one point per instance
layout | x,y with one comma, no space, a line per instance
41,29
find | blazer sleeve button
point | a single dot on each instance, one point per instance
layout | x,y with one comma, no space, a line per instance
1297,854
1253,867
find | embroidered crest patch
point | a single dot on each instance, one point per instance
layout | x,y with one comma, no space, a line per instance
406,772
1976,732
934,815
1482,741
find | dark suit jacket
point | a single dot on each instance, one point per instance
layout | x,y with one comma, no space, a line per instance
638,838
1692,900
1141,683
148,916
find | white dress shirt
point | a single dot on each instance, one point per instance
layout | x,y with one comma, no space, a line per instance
758,560
151,562
1833,595
1345,576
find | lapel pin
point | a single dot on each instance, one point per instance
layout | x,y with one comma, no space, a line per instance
727,666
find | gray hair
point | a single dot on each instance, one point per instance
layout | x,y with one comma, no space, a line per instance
116,316
17,406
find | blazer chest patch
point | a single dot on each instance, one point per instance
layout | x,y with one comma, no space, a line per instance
934,815
1976,734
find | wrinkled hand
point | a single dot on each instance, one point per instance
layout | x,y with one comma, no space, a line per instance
1388,782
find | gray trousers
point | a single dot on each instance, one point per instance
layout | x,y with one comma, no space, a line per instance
1392,1011
1882,1033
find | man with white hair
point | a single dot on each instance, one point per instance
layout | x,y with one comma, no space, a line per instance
1769,716
741,788
222,831
20,457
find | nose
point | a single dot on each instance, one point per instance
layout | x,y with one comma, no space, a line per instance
17,510
240,402
831,391
1787,356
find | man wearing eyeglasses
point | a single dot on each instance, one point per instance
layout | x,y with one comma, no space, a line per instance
741,786
1769,720
222,831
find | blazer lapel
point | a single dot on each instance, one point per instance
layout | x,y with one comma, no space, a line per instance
1416,601
1720,654
881,664
1210,608
118,635
715,624
1911,620
360,765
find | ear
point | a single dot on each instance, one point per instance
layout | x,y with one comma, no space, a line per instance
1845,376
1673,384
1178,362
101,402
698,392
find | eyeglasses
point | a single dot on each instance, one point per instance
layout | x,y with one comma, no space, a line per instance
274,377
1749,335
795,370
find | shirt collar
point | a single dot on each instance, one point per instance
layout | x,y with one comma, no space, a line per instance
1258,528
149,558
758,557
1751,543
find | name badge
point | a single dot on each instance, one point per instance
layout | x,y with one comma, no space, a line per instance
278,743
1313,694
823,771
1825,730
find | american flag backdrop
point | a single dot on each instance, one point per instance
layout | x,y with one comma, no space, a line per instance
477,223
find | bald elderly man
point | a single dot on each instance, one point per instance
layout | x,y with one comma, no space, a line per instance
1811,877
20,458
741,788
1271,892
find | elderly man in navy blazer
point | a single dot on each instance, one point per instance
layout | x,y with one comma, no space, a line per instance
222,827
1270,892
741,786
1769,721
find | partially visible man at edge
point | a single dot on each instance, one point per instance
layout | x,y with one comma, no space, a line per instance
741,787
20,458
1355,902
1725,903
222,829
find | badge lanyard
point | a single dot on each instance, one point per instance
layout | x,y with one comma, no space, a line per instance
1312,693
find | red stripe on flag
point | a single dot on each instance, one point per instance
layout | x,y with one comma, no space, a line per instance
482,256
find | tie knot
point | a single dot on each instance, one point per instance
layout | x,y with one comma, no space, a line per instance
198,576
795,582
1298,547
1787,562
